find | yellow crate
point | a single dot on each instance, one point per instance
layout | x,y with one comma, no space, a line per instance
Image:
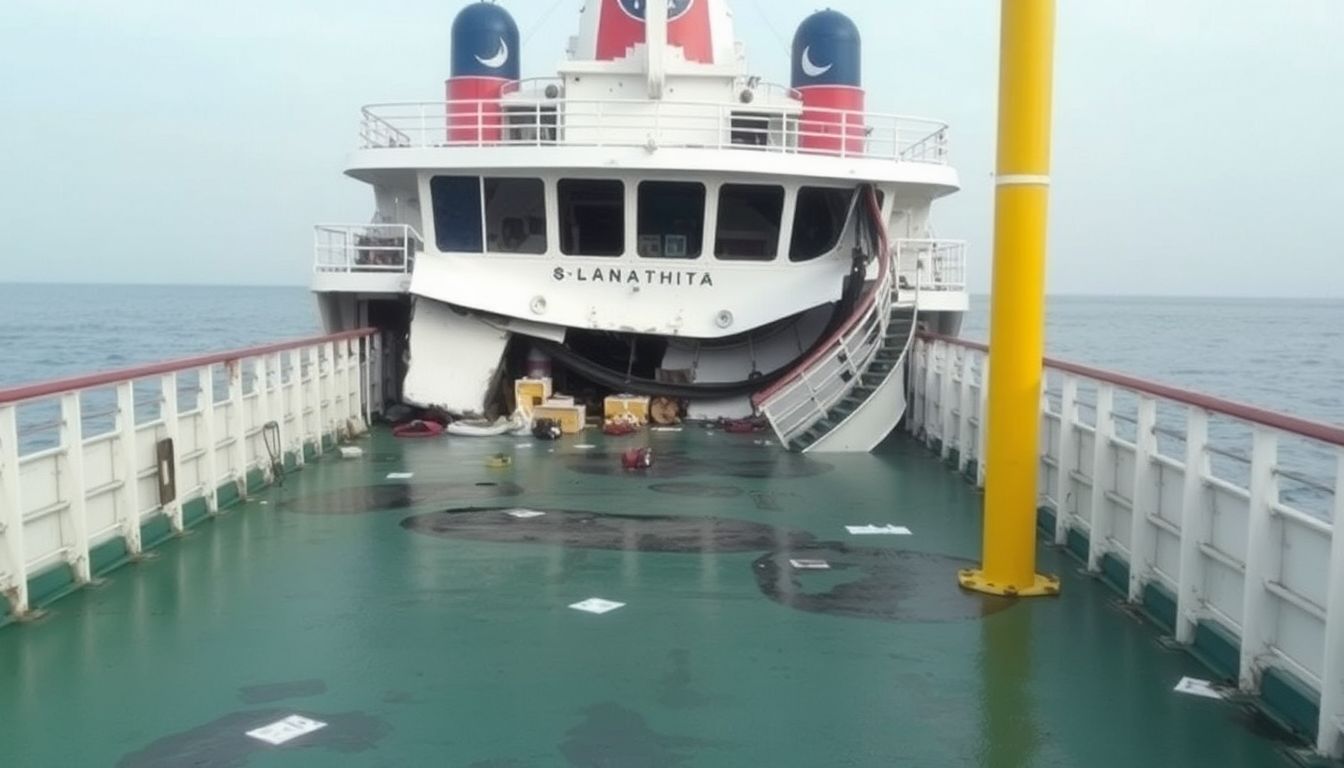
572,418
619,405
531,393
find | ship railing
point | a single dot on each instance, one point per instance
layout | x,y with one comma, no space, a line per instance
931,265
801,399
349,248
95,469
1219,519
539,121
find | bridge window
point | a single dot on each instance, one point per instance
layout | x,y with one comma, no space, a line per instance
515,215
671,219
749,222
592,217
457,213
819,221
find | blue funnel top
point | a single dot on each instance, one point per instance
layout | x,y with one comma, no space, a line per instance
485,43
827,51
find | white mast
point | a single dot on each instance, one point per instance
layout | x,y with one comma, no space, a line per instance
655,43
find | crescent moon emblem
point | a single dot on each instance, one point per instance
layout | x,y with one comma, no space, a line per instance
499,59
810,69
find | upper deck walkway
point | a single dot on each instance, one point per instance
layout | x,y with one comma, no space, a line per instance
540,121
425,638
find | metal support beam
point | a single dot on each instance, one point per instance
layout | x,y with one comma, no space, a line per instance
1142,541
129,468
1261,547
1194,525
74,489
1068,457
1330,738
1017,314
11,511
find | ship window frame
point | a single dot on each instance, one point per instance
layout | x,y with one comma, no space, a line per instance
773,252
841,215
437,199
694,241
534,225
564,188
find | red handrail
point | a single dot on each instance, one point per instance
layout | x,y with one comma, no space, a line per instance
1325,433
866,302
89,381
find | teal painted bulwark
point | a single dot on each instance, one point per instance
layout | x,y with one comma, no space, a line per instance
1292,702
195,511
155,532
1218,648
256,480
1115,572
55,582
1160,604
1045,520
227,495
107,556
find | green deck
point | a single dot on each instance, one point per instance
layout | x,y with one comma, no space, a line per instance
434,650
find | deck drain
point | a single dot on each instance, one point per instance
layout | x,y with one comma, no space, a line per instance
595,530
872,583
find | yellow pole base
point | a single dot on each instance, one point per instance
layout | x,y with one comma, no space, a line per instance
976,581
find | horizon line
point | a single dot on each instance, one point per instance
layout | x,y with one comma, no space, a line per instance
1059,294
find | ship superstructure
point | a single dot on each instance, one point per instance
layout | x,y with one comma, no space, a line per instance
653,219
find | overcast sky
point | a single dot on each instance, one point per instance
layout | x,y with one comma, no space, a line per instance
1197,142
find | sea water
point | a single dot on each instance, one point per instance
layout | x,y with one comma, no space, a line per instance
1282,354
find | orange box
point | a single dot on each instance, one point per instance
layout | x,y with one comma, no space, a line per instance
530,393
619,405
572,418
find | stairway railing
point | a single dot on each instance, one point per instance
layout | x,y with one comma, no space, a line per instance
798,401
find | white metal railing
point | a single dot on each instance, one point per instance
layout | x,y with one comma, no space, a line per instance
365,248
1247,540
931,265
90,460
548,122
818,387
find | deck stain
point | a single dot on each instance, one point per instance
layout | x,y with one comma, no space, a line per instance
612,736
224,743
594,530
675,689
702,490
375,498
266,694
873,583
681,464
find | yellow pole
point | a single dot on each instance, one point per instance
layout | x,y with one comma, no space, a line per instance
1017,313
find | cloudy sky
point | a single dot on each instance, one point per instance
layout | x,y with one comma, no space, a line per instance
1198,142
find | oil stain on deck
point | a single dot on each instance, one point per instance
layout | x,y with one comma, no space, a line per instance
224,743
873,583
594,530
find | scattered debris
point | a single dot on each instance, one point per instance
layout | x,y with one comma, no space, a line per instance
1196,687
597,606
546,429
351,452
286,730
418,429
637,458
526,514
878,530
400,475
810,565
499,461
